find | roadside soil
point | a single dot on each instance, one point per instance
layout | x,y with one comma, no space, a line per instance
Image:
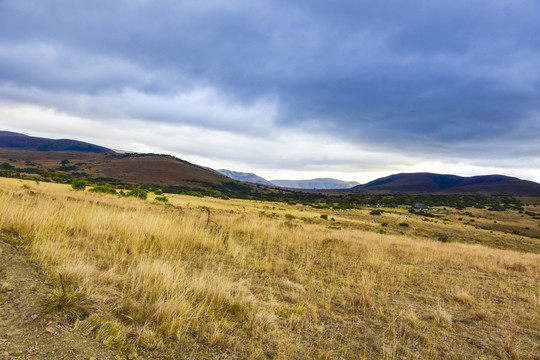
25,331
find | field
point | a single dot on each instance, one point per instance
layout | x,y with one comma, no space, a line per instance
213,278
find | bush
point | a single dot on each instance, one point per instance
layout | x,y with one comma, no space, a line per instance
162,199
219,195
158,192
193,193
376,212
324,216
384,224
289,216
443,238
79,183
138,193
104,189
404,224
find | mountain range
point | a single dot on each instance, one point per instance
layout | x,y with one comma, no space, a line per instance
320,183
34,155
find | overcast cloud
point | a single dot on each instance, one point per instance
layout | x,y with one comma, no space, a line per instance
350,89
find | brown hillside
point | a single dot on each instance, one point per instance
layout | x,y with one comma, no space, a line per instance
130,168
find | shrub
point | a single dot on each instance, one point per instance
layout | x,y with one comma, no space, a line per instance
443,238
384,224
161,198
376,212
404,224
104,189
138,193
425,213
219,195
79,183
193,193
324,216
289,216
158,192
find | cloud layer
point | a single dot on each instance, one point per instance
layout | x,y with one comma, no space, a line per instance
346,86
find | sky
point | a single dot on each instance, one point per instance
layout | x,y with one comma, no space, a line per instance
287,89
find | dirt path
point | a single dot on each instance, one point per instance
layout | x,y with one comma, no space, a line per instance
27,333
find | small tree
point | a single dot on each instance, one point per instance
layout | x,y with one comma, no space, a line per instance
79,183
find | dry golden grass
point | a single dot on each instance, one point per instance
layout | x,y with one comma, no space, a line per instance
246,284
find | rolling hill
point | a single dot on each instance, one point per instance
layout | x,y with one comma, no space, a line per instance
32,156
414,183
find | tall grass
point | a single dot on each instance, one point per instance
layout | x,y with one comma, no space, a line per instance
164,277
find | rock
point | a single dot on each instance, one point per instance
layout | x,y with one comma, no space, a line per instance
30,318
5,287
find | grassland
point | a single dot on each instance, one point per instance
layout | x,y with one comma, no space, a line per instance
209,278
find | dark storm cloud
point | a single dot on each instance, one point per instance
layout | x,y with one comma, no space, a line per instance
415,76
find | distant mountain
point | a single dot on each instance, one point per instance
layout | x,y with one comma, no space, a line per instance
25,142
414,183
245,177
320,183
